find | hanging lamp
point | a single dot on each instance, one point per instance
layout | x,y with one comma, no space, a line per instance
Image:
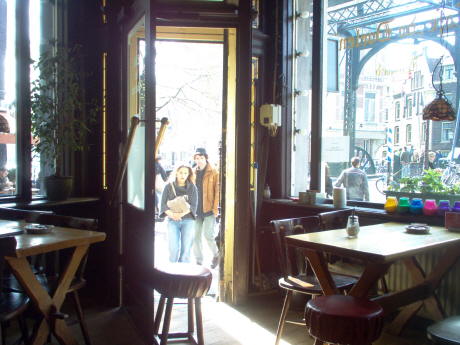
440,109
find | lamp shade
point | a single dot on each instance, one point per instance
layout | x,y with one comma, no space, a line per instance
4,126
439,109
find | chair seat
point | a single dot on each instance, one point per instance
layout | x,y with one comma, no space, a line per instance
309,284
12,304
182,280
341,319
445,332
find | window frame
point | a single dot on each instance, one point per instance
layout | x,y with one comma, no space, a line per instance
408,133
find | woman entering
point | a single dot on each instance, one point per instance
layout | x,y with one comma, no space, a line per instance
181,220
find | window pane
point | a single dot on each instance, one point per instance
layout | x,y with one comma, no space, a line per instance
136,107
301,115
387,56
43,32
7,98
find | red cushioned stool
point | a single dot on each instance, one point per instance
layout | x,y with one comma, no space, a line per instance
180,280
340,319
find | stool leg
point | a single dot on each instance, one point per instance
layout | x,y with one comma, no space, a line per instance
199,321
158,316
190,317
167,321
287,302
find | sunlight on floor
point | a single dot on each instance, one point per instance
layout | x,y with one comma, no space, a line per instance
242,328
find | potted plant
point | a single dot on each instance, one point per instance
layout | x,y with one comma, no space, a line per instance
60,115
427,186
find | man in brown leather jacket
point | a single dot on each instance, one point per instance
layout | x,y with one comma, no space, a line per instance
207,182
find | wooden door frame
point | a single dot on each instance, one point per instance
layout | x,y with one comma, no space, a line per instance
238,286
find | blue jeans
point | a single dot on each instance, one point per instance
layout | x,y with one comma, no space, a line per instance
180,237
204,226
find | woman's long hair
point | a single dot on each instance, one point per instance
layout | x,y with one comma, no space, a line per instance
190,177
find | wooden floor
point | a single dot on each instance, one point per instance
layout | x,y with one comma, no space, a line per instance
251,324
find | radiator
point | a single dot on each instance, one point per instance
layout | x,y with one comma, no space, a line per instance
448,292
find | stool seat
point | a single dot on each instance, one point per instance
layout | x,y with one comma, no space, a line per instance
445,332
341,319
180,280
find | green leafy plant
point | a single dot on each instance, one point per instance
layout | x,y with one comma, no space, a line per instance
409,184
429,182
60,113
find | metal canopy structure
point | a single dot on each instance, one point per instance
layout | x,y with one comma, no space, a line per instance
366,27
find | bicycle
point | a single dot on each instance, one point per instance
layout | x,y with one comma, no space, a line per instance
451,174
381,184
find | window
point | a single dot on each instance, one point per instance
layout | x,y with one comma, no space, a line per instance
408,108
397,110
449,73
423,134
15,74
396,135
447,131
369,107
301,99
385,61
8,102
417,80
408,134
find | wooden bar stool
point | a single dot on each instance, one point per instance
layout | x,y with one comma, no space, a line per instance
180,280
445,332
340,319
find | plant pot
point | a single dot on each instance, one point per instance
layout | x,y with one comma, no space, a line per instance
435,196
58,188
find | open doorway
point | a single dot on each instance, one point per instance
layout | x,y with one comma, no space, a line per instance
189,93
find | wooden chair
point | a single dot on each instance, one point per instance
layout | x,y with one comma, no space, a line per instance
445,332
334,219
345,320
79,281
13,304
297,277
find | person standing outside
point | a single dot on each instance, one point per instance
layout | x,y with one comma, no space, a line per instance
355,181
405,162
207,182
181,226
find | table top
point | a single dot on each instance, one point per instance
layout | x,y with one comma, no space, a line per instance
385,242
58,238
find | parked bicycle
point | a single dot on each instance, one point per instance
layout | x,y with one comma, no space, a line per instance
382,182
451,174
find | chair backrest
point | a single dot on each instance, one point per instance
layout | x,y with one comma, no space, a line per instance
334,219
291,263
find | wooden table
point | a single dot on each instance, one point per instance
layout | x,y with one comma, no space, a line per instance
49,306
378,247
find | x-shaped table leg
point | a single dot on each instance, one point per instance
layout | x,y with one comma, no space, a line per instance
44,303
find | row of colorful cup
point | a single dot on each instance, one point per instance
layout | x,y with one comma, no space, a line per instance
417,206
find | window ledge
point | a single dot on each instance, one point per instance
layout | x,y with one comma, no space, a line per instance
376,212
43,203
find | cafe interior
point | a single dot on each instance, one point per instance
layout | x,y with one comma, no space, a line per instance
336,137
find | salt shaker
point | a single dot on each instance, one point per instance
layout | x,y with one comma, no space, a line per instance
353,225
